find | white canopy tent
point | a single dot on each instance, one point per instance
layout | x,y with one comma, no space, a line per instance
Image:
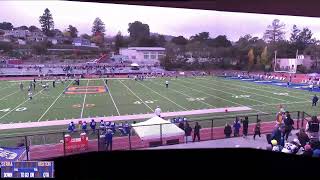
134,65
150,129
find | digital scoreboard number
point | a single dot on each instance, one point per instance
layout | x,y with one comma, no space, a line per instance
27,169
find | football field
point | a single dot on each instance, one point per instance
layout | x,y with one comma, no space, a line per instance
121,97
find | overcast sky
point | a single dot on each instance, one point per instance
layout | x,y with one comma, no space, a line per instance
169,21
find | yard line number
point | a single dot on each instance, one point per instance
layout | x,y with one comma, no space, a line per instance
147,102
196,99
20,109
241,96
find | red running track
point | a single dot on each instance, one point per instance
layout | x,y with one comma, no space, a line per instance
38,152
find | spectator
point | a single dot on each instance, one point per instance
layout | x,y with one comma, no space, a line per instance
275,146
108,136
157,111
71,127
93,125
302,137
312,127
316,153
245,125
84,126
181,125
288,124
236,127
126,127
187,132
102,126
227,130
197,128
278,135
257,129
291,147
315,100
307,150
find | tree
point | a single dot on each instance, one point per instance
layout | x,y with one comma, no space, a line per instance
85,36
6,26
98,39
22,28
73,31
98,27
264,56
180,40
202,37
39,48
138,31
295,34
161,41
47,23
33,29
219,41
275,32
6,46
119,42
250,59
67,34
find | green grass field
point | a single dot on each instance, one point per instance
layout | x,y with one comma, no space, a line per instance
126,97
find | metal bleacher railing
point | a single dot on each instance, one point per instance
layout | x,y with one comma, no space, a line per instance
55,144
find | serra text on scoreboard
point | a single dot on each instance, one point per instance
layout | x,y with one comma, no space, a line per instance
27,169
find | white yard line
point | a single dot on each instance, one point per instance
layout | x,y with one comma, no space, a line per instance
19,105
52,103
302,102
266,91
84,99
217,97
163,96
9,95
245,91
222,91
180,92
109,91
136,96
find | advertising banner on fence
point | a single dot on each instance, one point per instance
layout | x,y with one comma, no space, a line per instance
12,154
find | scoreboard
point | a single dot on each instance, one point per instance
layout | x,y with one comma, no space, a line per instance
27,169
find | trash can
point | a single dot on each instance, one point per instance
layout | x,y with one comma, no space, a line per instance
102,143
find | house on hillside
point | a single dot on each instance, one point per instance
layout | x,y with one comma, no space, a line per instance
17,33
21,42
53,40
81,42
143,55
36,36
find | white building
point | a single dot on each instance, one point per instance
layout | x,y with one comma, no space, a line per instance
290,64
143,55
